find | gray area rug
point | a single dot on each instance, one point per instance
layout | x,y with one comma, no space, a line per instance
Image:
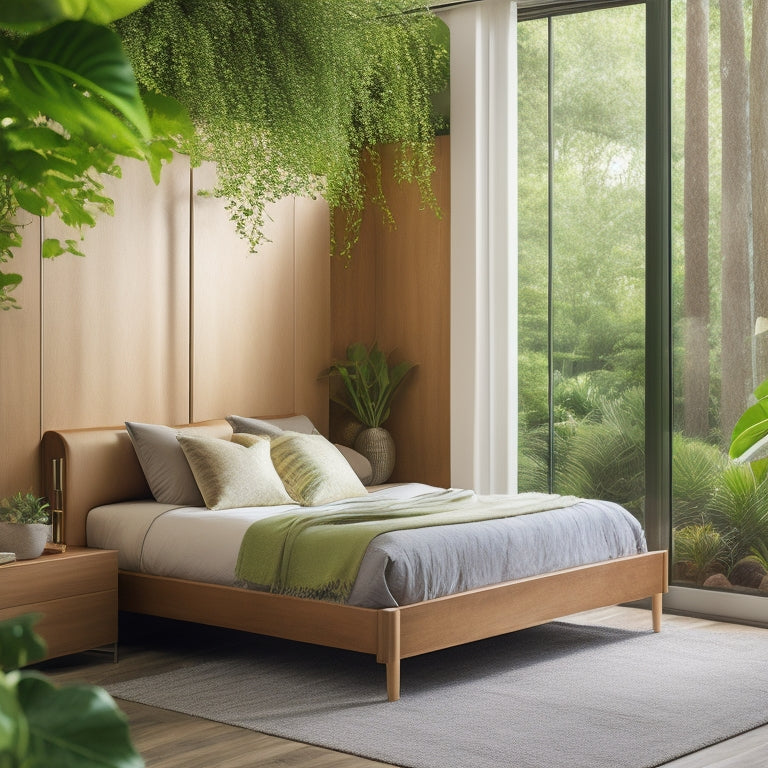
557,696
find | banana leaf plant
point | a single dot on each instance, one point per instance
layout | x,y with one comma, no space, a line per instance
69,107
370,382
43,725
749,440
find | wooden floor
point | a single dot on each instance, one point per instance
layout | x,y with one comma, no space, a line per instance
171,740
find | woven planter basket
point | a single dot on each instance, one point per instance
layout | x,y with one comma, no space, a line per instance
349,431
377,445
26,540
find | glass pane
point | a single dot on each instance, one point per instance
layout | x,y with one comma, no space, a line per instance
720,288
533,271
593,319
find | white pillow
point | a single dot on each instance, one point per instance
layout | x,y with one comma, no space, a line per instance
230,474
313,470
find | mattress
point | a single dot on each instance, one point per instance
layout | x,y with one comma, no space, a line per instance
398,568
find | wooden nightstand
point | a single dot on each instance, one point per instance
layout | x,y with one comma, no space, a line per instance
75,591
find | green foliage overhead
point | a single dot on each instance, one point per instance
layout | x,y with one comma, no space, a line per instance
286,94
25,508
370,383
44,725
69,105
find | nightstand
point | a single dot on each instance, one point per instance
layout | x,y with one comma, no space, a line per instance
75,591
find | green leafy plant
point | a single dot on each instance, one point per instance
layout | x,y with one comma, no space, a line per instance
69,106
44,725
740,509
286,94
25,508
606,459
701,548
749,439
697,468
370,382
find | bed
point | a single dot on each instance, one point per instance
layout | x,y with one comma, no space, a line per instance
98,469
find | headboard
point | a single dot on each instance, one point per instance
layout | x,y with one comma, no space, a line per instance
99,467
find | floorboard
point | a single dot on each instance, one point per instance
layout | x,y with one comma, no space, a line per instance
172,740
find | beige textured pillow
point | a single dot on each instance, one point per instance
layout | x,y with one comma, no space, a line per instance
312,469
230,475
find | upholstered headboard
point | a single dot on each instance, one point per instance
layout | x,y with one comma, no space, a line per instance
99,467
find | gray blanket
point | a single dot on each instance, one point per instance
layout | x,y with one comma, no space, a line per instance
410,566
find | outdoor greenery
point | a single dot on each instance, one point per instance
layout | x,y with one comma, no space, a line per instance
583,335
43,725
286,94
69,107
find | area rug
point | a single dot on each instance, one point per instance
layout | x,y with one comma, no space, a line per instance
562,696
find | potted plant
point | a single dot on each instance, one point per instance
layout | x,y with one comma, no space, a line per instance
369,384
44,724
25,525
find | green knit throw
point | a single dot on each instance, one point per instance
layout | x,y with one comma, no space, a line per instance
316,552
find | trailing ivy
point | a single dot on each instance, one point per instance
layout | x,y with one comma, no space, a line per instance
285,95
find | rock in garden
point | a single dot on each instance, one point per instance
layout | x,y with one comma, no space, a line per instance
717,581
748,572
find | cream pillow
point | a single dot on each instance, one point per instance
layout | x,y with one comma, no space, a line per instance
313,470
230,474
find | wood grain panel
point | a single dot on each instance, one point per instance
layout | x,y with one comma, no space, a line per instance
413,320
524,603
74,572
313,309
243,323
20,390
396,291
353,289
311,621
73,624
115,324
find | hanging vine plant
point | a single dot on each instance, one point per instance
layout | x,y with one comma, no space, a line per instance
285,95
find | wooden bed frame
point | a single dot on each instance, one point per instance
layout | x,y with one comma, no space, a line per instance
100,467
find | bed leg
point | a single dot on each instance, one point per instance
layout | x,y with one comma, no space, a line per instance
656,612
393,680
389,649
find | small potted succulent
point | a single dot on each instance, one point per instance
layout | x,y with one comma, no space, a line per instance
25,525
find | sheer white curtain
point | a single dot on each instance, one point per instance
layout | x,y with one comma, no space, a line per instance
483,245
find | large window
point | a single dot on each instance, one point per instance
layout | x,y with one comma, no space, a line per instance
720,287
581,91
590,403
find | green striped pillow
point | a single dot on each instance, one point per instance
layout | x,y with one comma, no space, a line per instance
313,470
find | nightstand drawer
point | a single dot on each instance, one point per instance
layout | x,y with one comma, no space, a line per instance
78,571
73,624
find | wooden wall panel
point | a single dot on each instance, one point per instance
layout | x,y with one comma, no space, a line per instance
20,363
244,306
413,320
396,291
115,324
313,317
